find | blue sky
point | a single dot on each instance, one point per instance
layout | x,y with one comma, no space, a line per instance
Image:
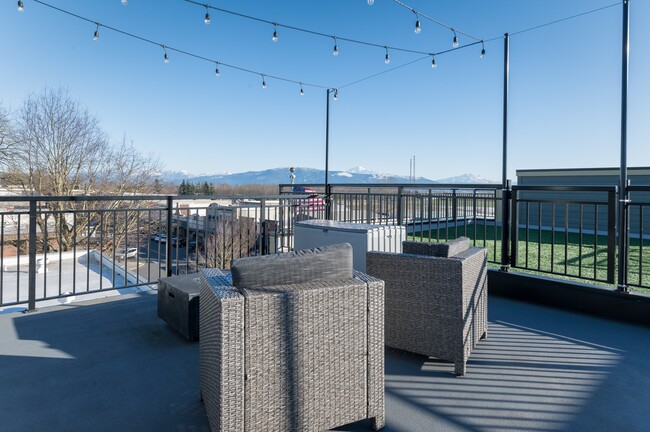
564,90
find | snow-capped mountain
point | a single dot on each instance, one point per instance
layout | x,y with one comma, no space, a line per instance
314,176
467,179
303,176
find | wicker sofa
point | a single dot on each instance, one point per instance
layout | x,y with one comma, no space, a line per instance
436,298
294,342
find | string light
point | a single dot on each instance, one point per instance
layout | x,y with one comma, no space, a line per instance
216,71
335,51
199,57
336,94
455,42
433,62
371,2
275,33
387,58
418,29
302,92
482,49
207,16
96,34
316,33
263,83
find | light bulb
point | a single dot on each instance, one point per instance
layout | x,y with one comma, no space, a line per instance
21,7
216,71
125,2
302,92
207,18
275,35
482,52
335,52
433,63
263,83
96,35
166,58
418,29
455,42
336,94
371,2
387,58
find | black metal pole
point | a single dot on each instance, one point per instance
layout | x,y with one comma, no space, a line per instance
506,81
168,245
505,191
623,194
327,151
31,296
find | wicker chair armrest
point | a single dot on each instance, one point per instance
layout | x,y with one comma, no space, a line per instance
221,347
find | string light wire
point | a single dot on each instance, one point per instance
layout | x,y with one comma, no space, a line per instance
168,48
301,83
313,32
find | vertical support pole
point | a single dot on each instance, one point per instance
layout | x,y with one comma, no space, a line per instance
31,299
506,81
263,232
611,236
328,212
399,205
622,187
168,245
507,225
368,207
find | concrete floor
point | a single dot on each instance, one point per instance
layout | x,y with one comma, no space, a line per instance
112,365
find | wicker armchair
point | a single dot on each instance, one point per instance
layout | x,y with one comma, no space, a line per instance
294,342
434,305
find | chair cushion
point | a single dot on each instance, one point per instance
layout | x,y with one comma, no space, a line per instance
323,263
448,249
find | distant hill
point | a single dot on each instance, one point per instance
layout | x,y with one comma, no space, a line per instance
467,179
303,175
313,176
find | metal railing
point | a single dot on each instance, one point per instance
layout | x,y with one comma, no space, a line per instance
568,231
57,247
54,248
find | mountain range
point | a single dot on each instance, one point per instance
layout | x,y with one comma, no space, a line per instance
311,176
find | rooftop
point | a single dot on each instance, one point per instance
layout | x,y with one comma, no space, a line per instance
113,365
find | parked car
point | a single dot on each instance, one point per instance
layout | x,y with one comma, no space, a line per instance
131,252
159,237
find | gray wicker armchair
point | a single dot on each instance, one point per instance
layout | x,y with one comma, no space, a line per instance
434,305
293,343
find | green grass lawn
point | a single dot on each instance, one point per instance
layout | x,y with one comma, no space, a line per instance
563,255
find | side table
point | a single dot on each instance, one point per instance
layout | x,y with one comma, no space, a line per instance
178,303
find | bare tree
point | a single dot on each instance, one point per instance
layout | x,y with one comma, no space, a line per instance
6,139
231,238
62,150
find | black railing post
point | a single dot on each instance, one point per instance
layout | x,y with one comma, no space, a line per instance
368,216
507,224
262,235
31,299
399,205
611,236
328,201
168,245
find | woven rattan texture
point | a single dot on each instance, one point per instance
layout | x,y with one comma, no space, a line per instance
311,355
434,306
